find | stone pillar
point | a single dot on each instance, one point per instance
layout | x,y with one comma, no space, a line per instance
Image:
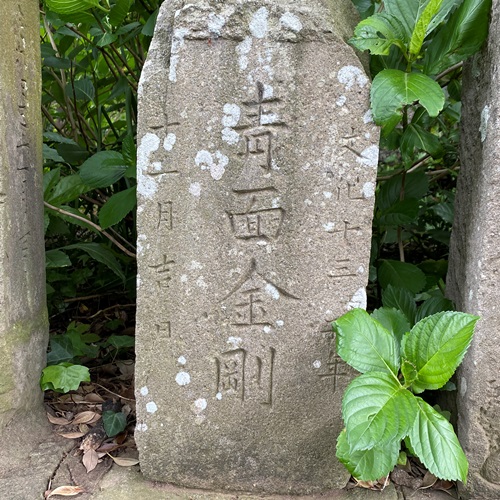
474,274
23,316
256,176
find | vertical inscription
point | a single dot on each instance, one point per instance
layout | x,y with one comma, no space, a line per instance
157,159
165,215
163,329
347,229
163,272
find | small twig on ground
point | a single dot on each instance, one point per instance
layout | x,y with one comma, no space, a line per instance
111,392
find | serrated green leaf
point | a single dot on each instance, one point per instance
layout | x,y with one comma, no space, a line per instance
459,38
106,39
50,179
416,137
71,6
434,441
401,275
68,188
121,341
63,378
407,12
101,254
433,305
367,465
393,320
72,153
129,151
422,25
51,154
393,89
377,410
402,299
114,422
117,207
365,344
119,12
83,89
378,33
436,346
56,258
400,213
409,371
103,169
55,137
416,187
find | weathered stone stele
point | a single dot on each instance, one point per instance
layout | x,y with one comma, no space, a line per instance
474,274
256,175
23,317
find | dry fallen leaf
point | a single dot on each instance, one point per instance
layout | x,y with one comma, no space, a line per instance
124,461
94,398
71,435
84,417
428,480
90,460
57,420
66,491
106,447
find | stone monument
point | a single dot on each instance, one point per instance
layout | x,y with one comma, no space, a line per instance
23,315
257,161
473,278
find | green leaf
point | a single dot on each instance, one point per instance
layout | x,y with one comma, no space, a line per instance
459,38
416,137
129,151
393,320
434,305
50,179
378,33
51,154
56,258
407,12
103,169
61,349
402,299
400,213
422,25
149,27
71,6
55,137
106,39
68,188
64,378
119,12
401,275
121,341
367,465
393,89
436,346
117,207
377,410
434,441
101,254
84,89
416,187
114,422
365,344
72,153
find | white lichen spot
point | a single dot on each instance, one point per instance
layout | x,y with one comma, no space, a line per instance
140,245
195,189
317,364
272,291
308,202
215,23
141,427
368,189
195,265
216,163
151,407
232,114
146,185
291,22
169,141
368,135
201,282
368,117
144,391
369,156
485,118
267,329
358,300
177,44
361,269
280,322
351,75
463,386
184,278
181,360
329,226
183,378
200,404
234,342
341,100
218,396
230,136
242,50
268,91
258,24
327,194
268,118
275,203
